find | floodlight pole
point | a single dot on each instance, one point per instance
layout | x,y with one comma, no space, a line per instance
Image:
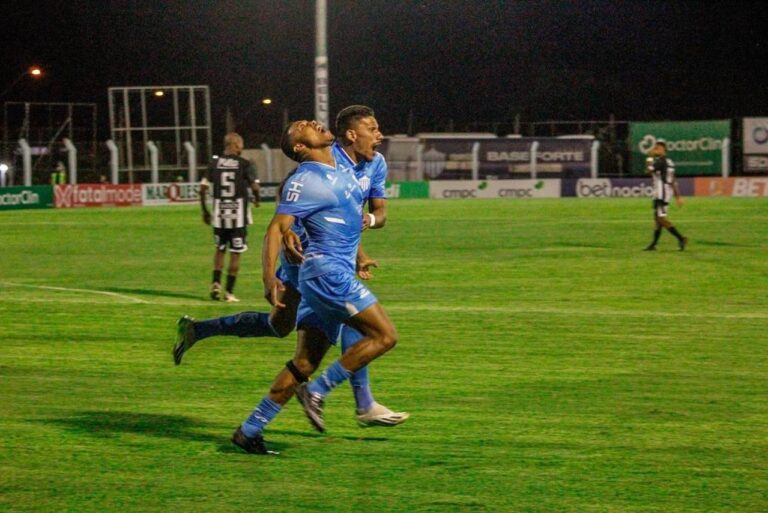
26,161
113,161
321,63
71,159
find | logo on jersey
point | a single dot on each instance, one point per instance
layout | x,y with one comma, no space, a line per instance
227,164
365,183
294,191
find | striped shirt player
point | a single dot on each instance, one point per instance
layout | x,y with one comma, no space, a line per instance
662,171
233,178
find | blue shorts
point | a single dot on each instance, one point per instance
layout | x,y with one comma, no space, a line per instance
288,274
329,300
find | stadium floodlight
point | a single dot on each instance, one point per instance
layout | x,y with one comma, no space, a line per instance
33,71
3,167
159,93
266,101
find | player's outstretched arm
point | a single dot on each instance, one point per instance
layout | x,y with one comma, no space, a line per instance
279,225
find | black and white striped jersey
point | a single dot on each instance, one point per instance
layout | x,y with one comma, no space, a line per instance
231,177
662,171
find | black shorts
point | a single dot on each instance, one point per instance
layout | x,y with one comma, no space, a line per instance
660,208
235,238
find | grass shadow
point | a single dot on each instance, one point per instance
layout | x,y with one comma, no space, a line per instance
718,243
313,434
150,292
107,424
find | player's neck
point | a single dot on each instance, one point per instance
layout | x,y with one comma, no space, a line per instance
322,155
351,153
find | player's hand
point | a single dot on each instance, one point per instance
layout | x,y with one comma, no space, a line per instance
273,289
292,249
366,221
364,268
679,201
207,217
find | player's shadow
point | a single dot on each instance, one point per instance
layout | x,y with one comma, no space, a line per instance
151,292
109,424
312,434
716,243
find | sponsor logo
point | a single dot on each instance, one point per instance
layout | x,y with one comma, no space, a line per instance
459,193
20,198
702,144
434,162
508,156
172,192
604,188
760,134
756,163
523,192
294,191
543,156
750,187
512,189
89,195
393,191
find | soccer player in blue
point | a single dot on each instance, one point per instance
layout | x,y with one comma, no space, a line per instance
328,201
355,149
357,137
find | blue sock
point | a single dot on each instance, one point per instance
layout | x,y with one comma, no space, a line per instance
244,324
329,379
260,417
361,385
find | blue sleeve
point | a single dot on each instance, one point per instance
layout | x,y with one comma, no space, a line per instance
304,194
379,179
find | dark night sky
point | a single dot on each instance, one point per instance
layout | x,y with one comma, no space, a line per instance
464,60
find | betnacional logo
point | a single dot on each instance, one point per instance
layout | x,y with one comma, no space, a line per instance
605,188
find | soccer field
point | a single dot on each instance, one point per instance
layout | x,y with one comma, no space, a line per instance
548,363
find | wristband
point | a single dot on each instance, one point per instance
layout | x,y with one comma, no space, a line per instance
372,218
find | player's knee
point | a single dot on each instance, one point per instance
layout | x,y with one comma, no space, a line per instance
305,365
281,329
388,338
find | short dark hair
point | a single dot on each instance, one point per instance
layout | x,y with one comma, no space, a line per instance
350,115
287,143
662,142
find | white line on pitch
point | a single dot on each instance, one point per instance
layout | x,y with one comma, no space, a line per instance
66,289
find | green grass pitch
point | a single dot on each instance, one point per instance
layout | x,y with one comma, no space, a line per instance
548,363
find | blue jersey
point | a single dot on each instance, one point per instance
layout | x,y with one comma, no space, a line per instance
328,202
372,174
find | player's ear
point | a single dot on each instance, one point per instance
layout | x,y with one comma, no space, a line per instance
350,135
298,148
